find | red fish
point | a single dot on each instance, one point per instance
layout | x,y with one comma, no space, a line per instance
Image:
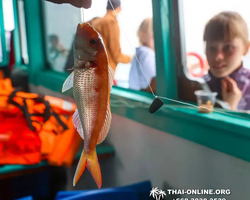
92,81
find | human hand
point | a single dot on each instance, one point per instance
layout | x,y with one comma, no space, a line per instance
231,93
131,57
152,85
76,3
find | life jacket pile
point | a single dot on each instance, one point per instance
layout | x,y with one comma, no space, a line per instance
34,127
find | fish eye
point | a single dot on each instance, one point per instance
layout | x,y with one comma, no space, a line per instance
93,41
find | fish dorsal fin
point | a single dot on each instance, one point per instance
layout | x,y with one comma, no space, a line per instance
68,83
106,126
111,77
77,123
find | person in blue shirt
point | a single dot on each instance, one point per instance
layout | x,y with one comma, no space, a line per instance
146,56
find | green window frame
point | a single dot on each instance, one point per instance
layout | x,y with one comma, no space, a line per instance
217,131
16,33
17,44
5,58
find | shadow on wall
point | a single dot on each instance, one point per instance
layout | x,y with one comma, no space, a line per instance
109,175
166,187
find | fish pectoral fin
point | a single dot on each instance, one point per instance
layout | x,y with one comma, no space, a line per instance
68,83
111,77
77,123
106,126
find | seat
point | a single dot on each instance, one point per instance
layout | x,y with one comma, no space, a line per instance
141,190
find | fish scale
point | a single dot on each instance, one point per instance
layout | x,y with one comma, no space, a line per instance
85,96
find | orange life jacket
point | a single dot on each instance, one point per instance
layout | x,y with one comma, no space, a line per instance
45,119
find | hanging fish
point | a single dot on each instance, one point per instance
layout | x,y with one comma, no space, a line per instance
92,80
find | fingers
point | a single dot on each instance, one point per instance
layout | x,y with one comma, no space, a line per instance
231,81
87,4
232,84
224,85
81,3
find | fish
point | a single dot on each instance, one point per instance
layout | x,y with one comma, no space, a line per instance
92,81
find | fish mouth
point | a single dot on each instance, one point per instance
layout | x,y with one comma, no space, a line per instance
91,64
81,64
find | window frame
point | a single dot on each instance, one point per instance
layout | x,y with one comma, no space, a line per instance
16,34
166,82
187,84
214,130
5,58
35,38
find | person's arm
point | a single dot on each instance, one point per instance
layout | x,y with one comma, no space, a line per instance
152,85
77,3
113,34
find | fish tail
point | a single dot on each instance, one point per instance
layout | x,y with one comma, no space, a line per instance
90,160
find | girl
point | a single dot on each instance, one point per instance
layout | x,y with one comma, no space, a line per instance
226,38
146,56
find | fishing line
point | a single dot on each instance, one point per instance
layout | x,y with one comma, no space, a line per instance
132,48
117,103
160,97
121,103
82,15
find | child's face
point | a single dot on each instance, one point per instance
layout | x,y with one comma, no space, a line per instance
147,39
225,57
